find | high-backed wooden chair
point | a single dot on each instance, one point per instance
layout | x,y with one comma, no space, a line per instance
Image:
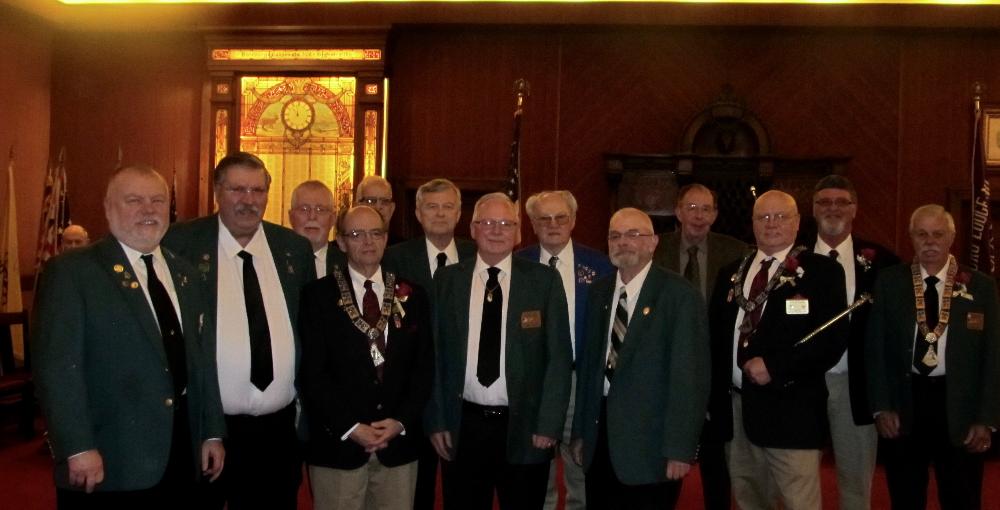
16,388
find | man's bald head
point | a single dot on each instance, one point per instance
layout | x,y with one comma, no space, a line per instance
775,221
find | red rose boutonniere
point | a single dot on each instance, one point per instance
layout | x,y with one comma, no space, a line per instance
792,271
865,258
961,285
402,293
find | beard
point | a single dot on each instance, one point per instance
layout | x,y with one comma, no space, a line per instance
624,259
831,227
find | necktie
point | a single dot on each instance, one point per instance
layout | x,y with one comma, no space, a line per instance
442,259
488,364
261,365
170,326
553,261
618,330
372,312
692,271
834,254
756,287
921,345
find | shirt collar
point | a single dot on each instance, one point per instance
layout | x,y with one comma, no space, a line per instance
702,246
504,265
846,246
779,256
358,279
941,275
321,253
633,287
451,250
231,247
545,255
134,256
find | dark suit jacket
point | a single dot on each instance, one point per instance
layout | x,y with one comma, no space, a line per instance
537,363
790,411
334,257
198,242
657,399
864,282
722,250
339,384
102,370
409,260
591,265
972,355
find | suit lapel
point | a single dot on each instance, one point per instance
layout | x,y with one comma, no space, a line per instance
113,259
208,261
182,286
283,263
604,296
419,256
644,307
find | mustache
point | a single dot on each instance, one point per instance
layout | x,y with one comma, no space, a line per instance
247,208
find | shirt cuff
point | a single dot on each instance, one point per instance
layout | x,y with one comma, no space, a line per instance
348,433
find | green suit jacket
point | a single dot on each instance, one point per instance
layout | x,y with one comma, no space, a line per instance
102,371
722,250
409,260
972,351
538,355
658,396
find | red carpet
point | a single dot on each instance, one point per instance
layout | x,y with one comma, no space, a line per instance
26,480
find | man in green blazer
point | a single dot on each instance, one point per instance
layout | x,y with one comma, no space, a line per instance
643,385
933,350
312,215
125,361
254,272
502,371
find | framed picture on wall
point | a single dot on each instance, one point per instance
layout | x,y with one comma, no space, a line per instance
992,135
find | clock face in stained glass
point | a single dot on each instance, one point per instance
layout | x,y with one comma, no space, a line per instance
297,115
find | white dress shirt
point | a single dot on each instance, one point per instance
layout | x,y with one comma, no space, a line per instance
320,255
632,289
239,395
565,264
845,256
162,272
451,251
747,282
942,342
496,393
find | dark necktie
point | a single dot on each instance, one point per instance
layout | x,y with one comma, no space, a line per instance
170,327
618,330
442,259
372,313
834,254
921,345
488,364
261,365
692,271
756,287
553,261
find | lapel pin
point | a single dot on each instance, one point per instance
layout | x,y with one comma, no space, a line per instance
134,285
204,256
645,310
118,268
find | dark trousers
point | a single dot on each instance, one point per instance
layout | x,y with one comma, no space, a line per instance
263,463
427,467
178,488
480,466
959,474
715,483
606,492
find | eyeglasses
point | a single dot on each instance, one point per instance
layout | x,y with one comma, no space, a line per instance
374,201
693,208
829,202
503,224
374,234
559,219
254,191
779,218
320,210
631,235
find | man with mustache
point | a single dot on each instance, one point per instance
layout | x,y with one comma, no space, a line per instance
312,215
933,362
855,441
643,383
254,271
768,388
124,360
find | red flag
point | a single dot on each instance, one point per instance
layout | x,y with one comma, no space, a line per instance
981,245
55,212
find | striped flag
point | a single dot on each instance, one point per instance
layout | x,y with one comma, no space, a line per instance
513,184
10,267
55,212
981,245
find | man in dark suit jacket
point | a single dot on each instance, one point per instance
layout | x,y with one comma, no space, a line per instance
438,209
768,391
933,350
366,375
855,441
312,215
643,383
698,253
125,362
553,216
254,272
376,192
502,370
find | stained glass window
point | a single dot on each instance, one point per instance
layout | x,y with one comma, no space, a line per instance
221,134
302,128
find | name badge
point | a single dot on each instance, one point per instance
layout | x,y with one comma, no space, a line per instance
797,307
974,321
531,319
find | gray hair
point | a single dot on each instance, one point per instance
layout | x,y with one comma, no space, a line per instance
566,196
933,210
489,197
435,186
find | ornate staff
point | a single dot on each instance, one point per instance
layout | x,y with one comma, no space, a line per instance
865,298
521,90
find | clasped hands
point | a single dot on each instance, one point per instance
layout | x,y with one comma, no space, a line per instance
376,436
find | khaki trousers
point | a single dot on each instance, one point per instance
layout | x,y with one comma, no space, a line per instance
854,447
370,487
573,477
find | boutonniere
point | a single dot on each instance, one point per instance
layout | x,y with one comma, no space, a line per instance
585,274
865,258
402,293
792,272
961,285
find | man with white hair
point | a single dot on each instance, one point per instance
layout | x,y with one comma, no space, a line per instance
312,216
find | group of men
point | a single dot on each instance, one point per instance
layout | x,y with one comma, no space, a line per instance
199,365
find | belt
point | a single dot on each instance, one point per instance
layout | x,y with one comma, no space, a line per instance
484,411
